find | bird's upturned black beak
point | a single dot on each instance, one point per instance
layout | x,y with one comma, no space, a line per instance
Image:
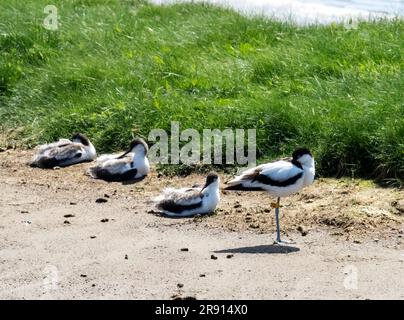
207,184
124,154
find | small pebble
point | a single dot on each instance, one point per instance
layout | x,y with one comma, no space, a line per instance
69,216
303,231
126,257
180,285
229,256
184,249
104,220
101,200
213,257
66,222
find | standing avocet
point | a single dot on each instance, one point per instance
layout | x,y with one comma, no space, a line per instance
280,179
131,165
65,152
187,202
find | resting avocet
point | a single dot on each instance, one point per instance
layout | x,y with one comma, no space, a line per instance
131,165
187,202
65,152
280,178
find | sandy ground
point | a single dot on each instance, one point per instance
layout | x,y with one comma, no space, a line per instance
58,242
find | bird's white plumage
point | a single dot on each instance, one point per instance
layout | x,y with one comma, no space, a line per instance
64,152
280,178
182,196
105,157
279,170
307,162
60,142
114,166
203,199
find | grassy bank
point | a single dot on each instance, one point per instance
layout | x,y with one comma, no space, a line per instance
118,68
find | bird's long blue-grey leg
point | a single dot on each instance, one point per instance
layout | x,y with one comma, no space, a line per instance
278,231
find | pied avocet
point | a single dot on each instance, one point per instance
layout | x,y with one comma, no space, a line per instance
64,152
187,202
131,165
280,178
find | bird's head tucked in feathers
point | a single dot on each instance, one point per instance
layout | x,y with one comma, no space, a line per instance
303,156
81,138
138,146
211,179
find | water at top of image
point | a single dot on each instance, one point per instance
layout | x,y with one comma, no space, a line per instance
312,11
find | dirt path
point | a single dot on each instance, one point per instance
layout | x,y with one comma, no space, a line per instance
57,242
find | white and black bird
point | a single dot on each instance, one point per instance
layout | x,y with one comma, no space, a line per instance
280,179
64,152
131,165
187,202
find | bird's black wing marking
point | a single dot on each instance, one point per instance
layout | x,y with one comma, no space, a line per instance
108,176
51,162
46,163
63,155
247,177
269,181
63,145
264,179
297,164
129,175
240,187
172,206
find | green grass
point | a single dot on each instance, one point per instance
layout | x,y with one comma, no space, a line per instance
115,69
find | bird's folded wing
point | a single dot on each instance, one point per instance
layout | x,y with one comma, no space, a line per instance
116,166
178,192
67,152
184,197
62,142
106,157
280,171
57,144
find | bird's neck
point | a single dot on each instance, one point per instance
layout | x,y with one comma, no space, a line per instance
214,186
309,172
309,164
91,150
139,156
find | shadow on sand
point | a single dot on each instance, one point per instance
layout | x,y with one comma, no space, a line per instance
268,249
131,181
